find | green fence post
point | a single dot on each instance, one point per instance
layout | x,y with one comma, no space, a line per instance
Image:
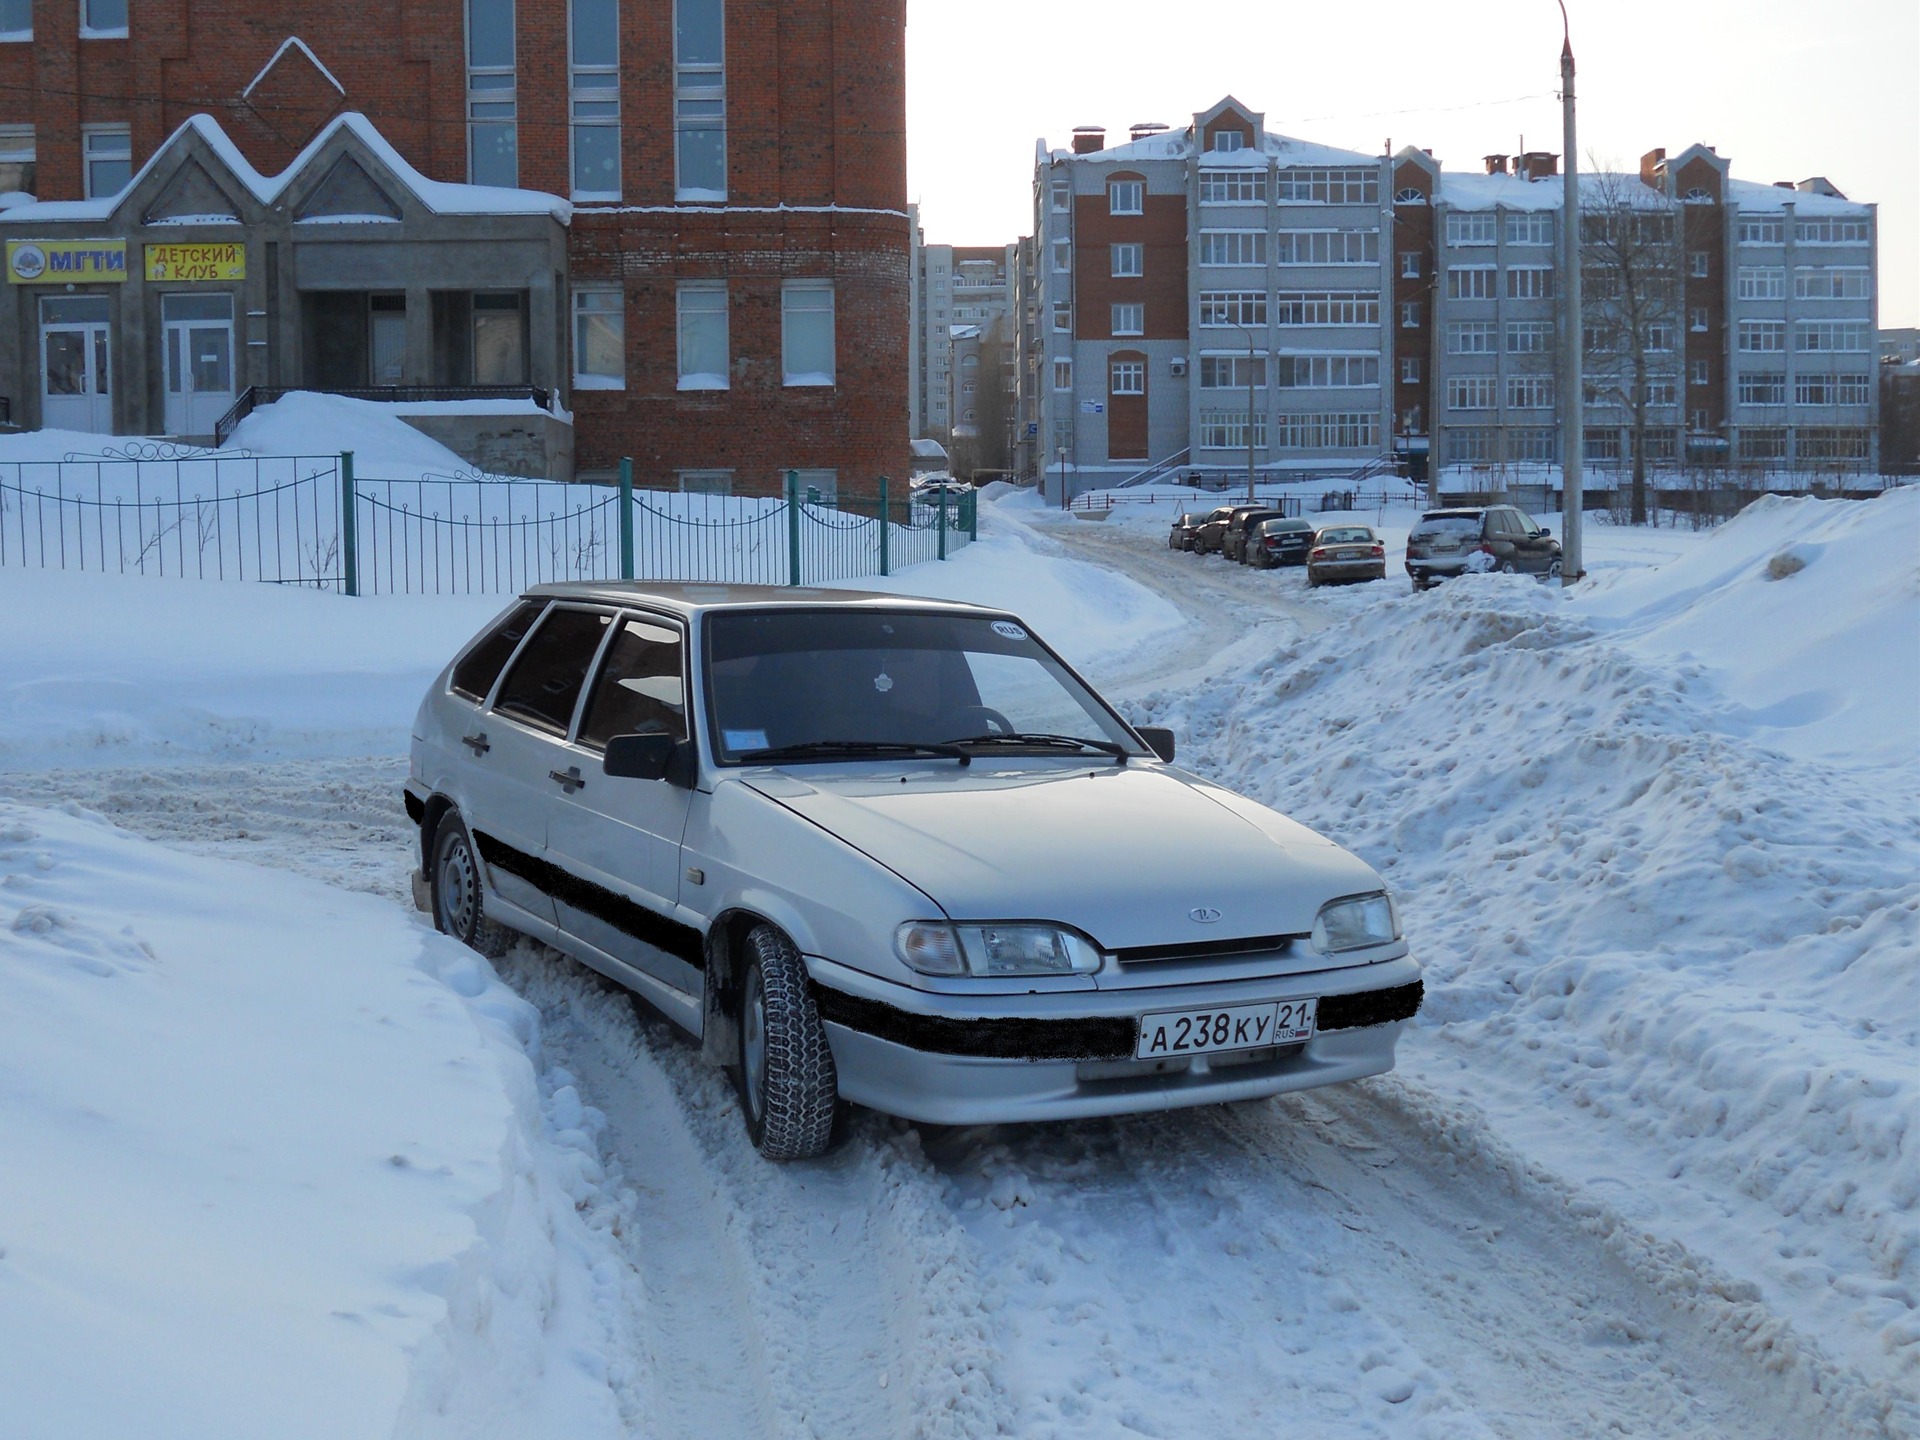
942,502
626,517
349,541
973,515
886,525
793,526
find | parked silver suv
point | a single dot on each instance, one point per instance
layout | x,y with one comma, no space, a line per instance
892,852
1476,538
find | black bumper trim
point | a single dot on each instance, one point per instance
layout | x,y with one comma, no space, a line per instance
629,917
1093,1037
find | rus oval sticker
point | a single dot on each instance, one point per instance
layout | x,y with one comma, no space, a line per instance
1009,629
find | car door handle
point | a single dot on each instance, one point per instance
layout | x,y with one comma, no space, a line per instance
476,743
568,779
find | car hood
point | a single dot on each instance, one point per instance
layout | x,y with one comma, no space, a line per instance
1127,854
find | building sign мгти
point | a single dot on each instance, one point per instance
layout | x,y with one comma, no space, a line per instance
57,262
224,261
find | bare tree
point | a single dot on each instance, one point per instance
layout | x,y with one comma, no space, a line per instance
1630,258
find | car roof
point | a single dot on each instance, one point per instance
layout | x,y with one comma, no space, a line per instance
1461,512
698,598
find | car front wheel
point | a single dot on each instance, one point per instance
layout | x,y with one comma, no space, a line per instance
459,891
788,1087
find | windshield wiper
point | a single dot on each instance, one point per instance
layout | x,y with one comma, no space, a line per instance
850,750
1031,740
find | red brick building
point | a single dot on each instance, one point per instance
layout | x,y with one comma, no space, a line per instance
735,299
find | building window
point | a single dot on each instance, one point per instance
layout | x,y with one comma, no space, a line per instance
1062,318
1409,314
1763,390
1761,336
595,99
1470,392
1530,282
1699,422
1472,337
1410,195
1326,307
1832,230
599,340
493,149
1409,371
1470,282
1529,227
1409,264
1129,377
1845,336
705,482
806,332
1697,373
1469,444
704,359
1129,319
1062,194
1834,444
1326,372
1129,260
1761,282
17,167
1663,390
1233,247
1830,390
1233,307
1233,372
499,338
1227,430
1327,187
1472,229
1225,142
16,22
1529,392
700,100
1696,318
1063,374
1697,264
1767,231
1126,197
108,151
1659,335
1336,430
1529,337
1062,256
102,19
1326,247
1233,187
1837,283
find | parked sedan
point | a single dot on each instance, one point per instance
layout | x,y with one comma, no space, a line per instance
892,852
1180,537
1466,539
1346,552
1282,542
1212,534
1235,541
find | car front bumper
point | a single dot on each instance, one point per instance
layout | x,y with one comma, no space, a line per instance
992,1059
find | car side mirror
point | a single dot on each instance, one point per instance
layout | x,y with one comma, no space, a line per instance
1545,533
1159,740
649,757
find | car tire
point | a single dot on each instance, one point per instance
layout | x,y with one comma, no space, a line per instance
1507,567
789,1091
1553,568
459,891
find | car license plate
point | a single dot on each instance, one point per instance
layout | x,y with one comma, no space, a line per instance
1225,1027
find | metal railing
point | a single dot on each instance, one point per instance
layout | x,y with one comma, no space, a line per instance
1100,500
1156,470
257,395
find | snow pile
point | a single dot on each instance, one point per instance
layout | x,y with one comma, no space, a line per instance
281,1153
1680,968
306,423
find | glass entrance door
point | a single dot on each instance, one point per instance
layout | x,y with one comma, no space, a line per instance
197,340
75,370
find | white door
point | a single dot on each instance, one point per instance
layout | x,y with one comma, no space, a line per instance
197,338
75,369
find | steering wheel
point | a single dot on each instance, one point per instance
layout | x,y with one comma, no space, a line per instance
994,722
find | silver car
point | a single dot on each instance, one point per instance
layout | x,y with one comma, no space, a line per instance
892,852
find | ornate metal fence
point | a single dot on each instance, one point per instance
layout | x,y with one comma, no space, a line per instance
309,520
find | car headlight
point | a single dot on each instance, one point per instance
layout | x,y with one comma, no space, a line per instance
938,949
1355,923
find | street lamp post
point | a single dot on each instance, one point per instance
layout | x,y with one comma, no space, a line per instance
1572,402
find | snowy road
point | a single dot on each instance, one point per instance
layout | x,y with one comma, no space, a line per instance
1365,1261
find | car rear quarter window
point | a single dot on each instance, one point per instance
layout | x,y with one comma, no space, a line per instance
641,690
545,682
473,677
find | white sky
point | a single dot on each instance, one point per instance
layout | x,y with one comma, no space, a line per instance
1782,88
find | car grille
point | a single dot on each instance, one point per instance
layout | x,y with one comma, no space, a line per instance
1205,949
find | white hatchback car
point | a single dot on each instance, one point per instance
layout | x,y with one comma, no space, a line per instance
889,851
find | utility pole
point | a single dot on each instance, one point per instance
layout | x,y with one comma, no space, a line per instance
1249,335
1572,402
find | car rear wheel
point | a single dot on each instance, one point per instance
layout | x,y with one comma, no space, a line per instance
459,891
1553,569
1507,567
788,1088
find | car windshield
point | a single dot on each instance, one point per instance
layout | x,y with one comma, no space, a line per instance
839,682
1446,527
1346,535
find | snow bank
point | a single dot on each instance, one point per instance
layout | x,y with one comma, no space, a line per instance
1683,967
305,423
278,1162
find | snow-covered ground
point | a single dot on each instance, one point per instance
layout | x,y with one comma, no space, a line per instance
283,1161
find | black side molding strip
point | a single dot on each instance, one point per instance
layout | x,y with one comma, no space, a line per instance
629,917
416,807
1098,1037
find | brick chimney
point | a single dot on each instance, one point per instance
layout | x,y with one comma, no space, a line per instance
1653,165
1142,129
1496,164
1540,164
1089,138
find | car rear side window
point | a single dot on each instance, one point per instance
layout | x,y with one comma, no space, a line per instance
640,690
473,677
545,682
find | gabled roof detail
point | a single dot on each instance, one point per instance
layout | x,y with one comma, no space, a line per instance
293,42
348,190
192,196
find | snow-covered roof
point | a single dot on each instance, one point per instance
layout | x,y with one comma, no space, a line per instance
1755,195
440,196
1180,145
1512,192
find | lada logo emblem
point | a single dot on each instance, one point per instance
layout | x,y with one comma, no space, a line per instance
1205,915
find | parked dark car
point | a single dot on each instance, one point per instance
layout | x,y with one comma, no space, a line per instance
1234,544
1212,534
1281,541
1180,537
1346,552
1479,538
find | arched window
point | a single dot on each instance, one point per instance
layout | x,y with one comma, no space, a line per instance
1409,195
1697,196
